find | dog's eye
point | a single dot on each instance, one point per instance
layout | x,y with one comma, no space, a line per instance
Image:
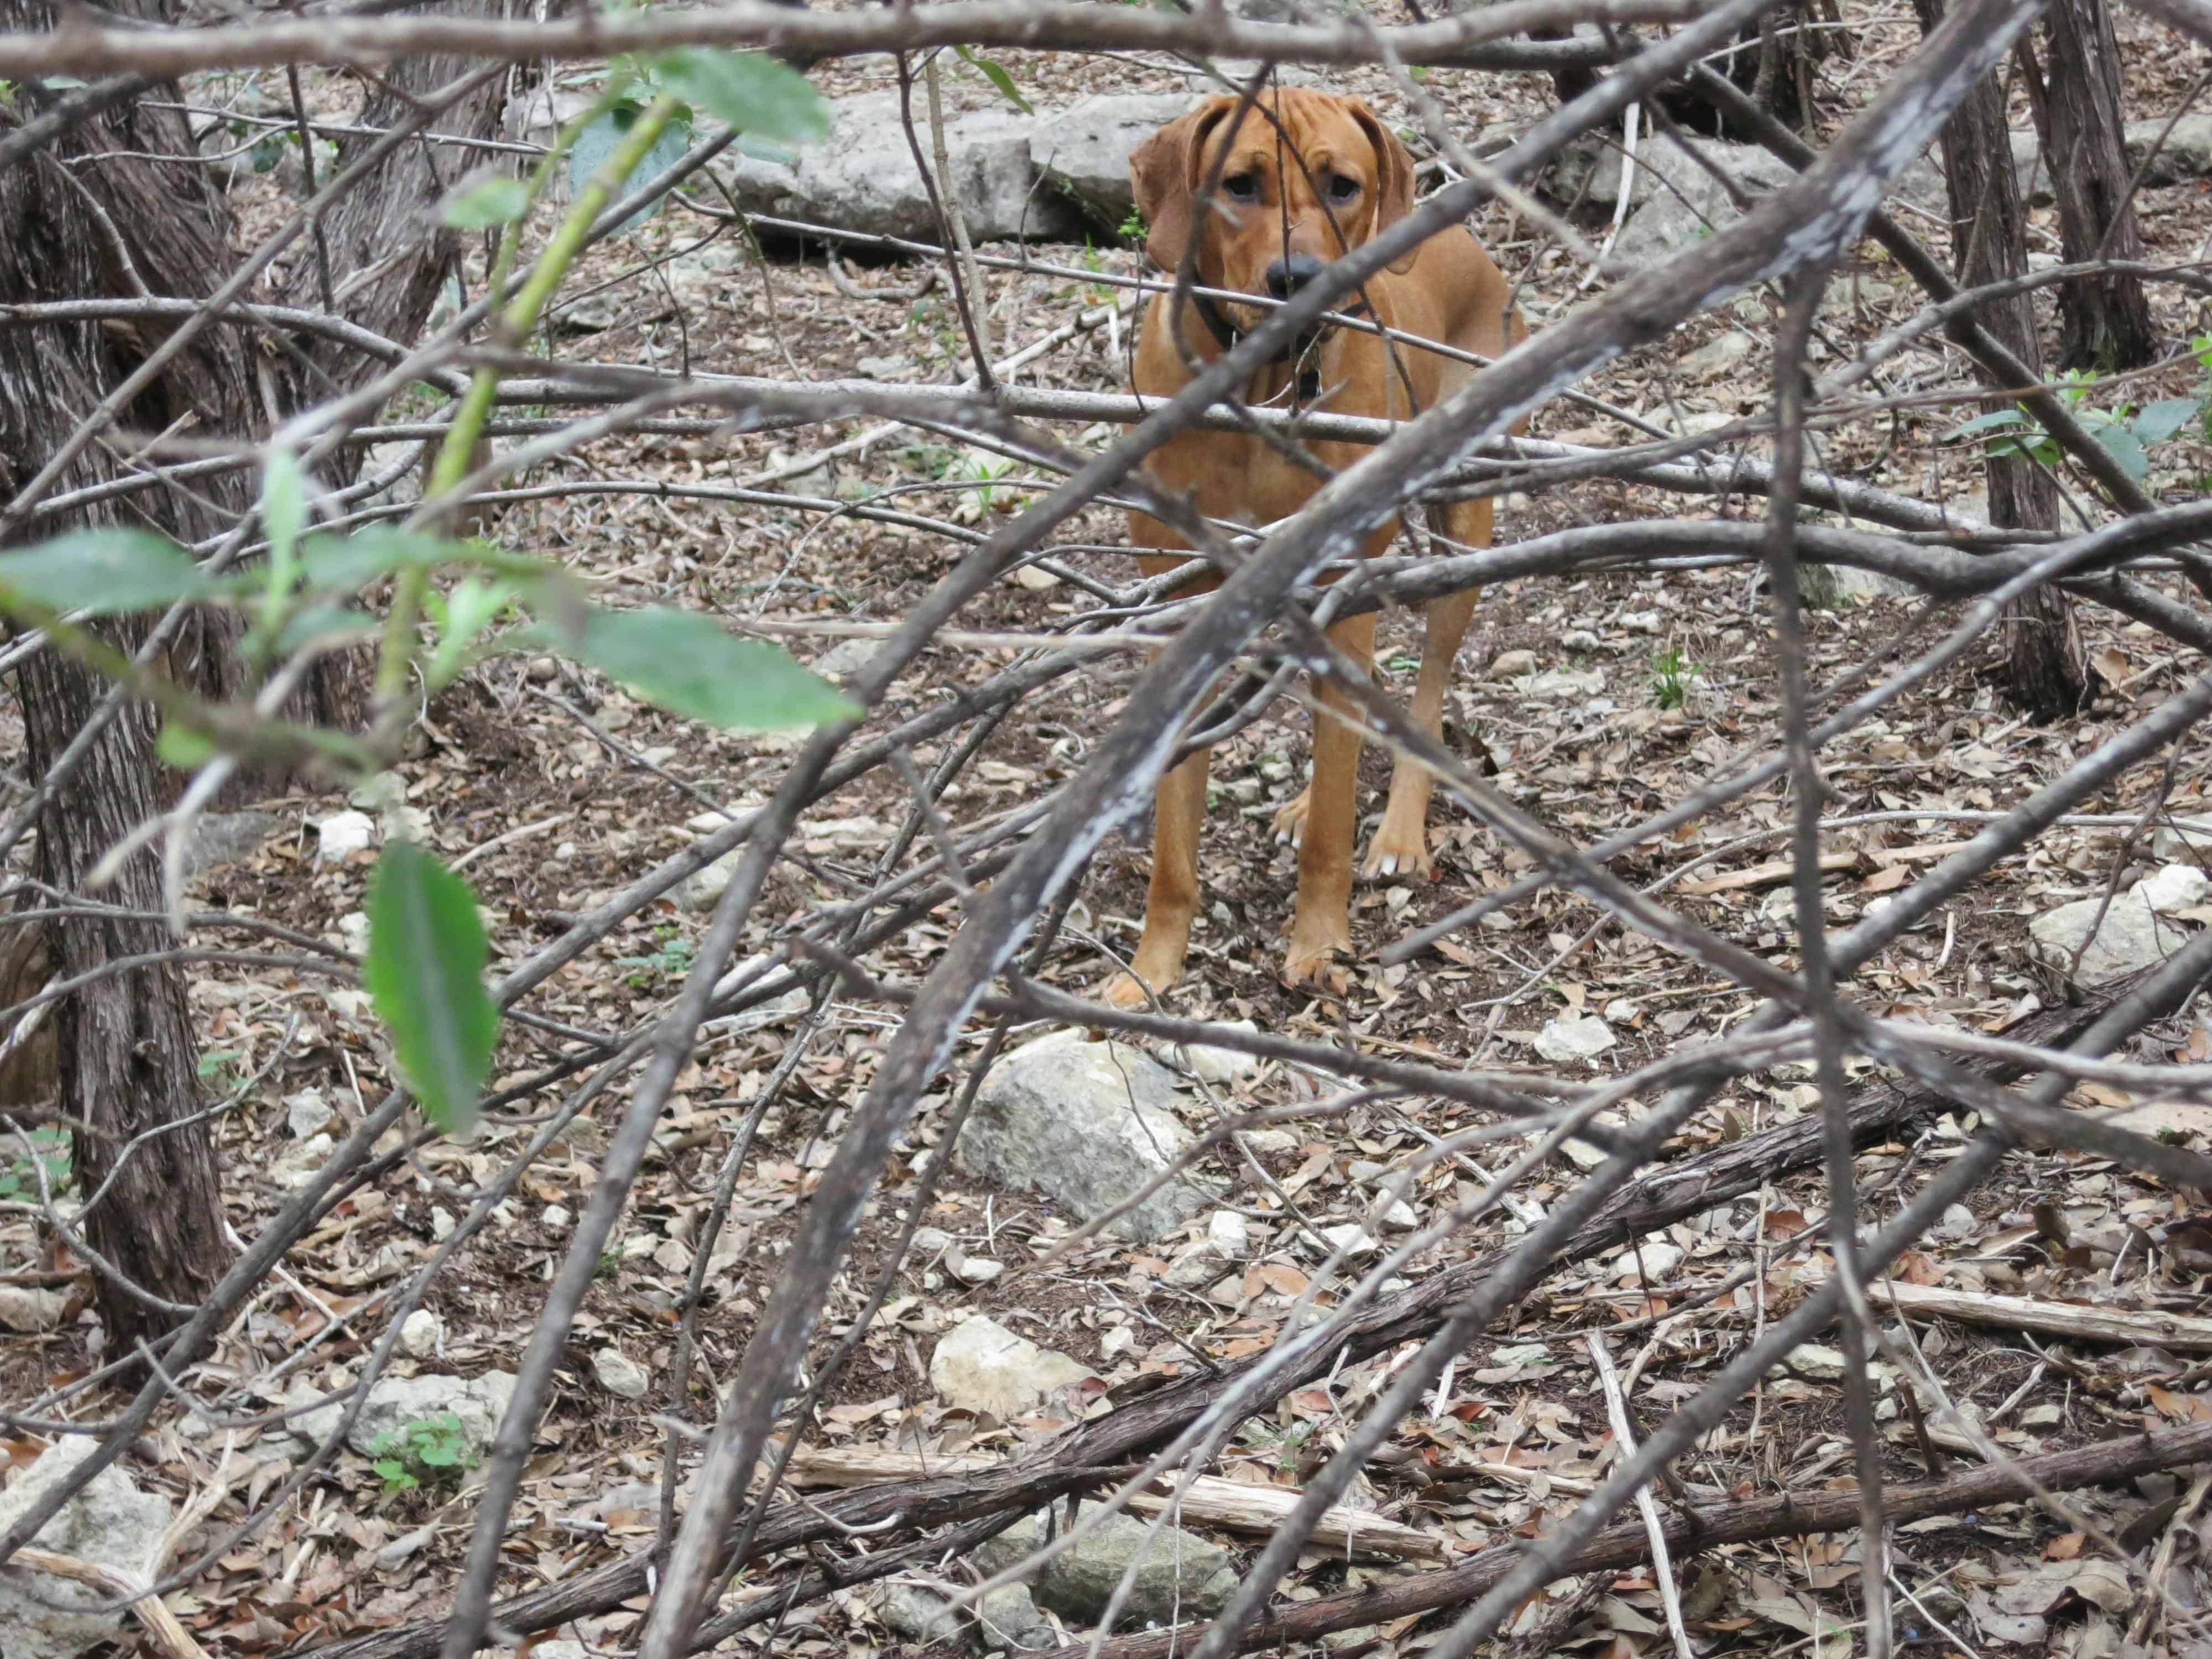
1341,189
1242,186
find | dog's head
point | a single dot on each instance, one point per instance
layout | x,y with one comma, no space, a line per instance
1301,178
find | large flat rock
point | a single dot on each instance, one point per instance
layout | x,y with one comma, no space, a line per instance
1086,1125
1056,175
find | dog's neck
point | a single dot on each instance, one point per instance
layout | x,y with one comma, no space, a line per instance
1306,382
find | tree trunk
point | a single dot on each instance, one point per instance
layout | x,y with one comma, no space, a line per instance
387,220
1772,62
126,1060
2104,322
2042,668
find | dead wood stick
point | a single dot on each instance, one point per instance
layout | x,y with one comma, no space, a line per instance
167,1632
1776,870
1791,1515
1664,1195
1208,1501
2126,1327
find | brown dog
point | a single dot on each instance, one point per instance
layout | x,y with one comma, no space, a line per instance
1302,177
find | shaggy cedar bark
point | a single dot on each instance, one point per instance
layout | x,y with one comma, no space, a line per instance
2104,322
127,1062
2042,666
388,221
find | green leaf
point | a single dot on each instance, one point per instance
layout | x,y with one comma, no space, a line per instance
748,90
465,613
324,624
1980,423
492,200
995,72
183,747
424,971
688,664
2161,420
597,141
284,512
347,562
106,572
2126,451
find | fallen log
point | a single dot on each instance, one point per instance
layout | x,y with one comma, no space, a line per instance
2126,1327
1206,1500
1790,1515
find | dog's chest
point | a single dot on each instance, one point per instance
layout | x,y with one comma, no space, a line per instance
1233,477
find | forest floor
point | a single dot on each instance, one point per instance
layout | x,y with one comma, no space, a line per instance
1592,704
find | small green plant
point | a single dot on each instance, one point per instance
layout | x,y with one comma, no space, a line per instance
221,1068
2126,431
608,1265
672,961
995,72
1285,1441
19,1175
1671,676
451,603
427,1451
983,469
1100,293
1133,228
931,460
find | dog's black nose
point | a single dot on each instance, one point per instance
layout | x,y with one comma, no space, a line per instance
1287,277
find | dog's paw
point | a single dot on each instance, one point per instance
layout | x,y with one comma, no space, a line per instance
1394,852
1313,960
1291,817
1123,991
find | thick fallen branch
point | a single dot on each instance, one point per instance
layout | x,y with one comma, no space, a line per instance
2129,1327
1790,1516
1206,1501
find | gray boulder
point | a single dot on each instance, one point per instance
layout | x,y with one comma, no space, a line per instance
1008,1619
2179,157
863,177
1086,1124
1084,151
110,1522
2129,935
476,1403
227,837
921,1615
1691,203
1179,1574
983,1366
1055,175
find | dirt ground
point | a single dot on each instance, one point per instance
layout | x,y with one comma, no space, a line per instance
1591,703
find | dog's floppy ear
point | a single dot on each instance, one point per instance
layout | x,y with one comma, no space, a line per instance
1164,173
1394,175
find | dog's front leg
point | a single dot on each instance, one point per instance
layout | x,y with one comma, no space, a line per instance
1320,924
